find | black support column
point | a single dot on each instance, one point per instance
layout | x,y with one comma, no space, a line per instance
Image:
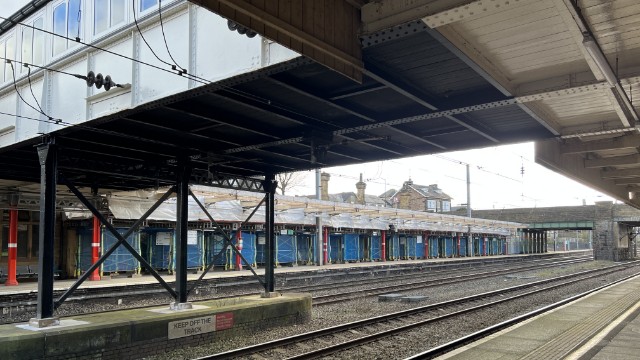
48,157
270,187
182,193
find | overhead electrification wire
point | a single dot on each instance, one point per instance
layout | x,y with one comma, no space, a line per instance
165,38
170,71
135,20
15,86
202,81
31,87
188,76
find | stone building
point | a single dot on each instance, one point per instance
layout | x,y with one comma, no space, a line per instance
421,198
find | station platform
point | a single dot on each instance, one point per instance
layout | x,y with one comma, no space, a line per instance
116,281
603,325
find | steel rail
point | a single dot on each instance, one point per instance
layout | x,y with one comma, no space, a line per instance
152,288
346,283
334,298
452,345
417,310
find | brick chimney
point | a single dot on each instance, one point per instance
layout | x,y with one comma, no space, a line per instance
360,185
324,186
405,195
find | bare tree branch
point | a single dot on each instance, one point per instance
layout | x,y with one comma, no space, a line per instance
291,180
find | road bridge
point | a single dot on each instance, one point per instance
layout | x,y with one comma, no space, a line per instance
606,220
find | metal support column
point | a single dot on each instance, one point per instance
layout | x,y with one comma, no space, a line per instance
13,249
319,234
270,187
182,214
325,245
48,158
239,247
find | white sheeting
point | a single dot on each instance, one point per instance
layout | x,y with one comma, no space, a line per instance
133,205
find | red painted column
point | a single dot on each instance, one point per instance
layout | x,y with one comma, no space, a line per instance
484,249
426,244
325,245
239,246
95,248
458,244
13,248
383,246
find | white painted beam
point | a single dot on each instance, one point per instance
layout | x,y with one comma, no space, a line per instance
613,161
468,10
621,174
621,142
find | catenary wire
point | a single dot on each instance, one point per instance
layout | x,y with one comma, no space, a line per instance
165,38
15,86
135,20
187,76
31,88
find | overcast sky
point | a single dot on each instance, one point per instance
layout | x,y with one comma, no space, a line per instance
501,177
11,6
496,177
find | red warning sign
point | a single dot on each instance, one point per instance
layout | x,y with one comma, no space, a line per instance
224,321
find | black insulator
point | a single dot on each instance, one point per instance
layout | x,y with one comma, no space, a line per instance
108,83
251,34
99,80
91,79
242,30
232,25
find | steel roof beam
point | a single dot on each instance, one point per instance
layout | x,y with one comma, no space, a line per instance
454,43
360,91
229,122
280,114
327,102
419,98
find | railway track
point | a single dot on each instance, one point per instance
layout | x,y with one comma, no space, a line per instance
365,331
320,300
89,302
390,278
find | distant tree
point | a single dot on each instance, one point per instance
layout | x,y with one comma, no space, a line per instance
290,180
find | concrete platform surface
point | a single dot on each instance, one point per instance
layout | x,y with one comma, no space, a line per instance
132,334
603,325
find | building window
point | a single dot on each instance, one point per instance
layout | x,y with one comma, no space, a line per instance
147,4
446,206
107,14
66,22
431,205
8,51
32,44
